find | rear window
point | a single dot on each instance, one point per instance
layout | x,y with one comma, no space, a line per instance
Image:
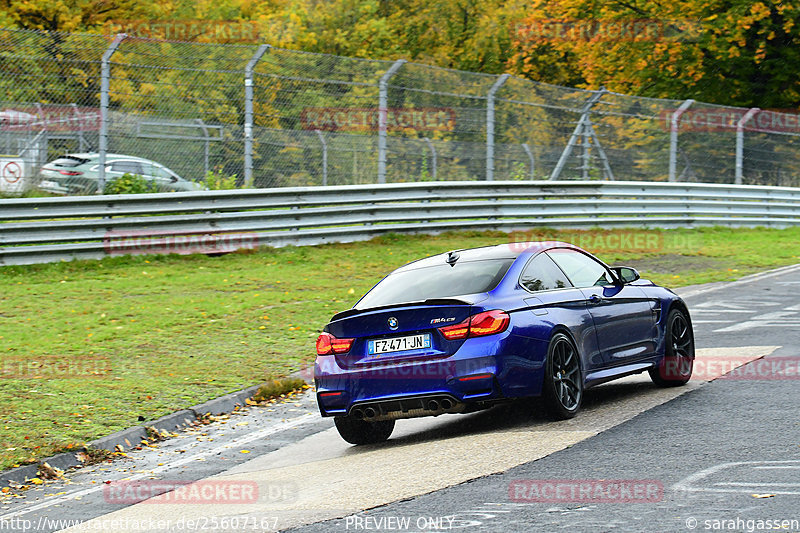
437,281
69,161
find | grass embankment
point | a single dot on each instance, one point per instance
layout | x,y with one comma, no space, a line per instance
167,332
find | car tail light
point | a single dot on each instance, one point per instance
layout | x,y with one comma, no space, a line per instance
486,323
456,331
328,344
324,344
341,345
70,173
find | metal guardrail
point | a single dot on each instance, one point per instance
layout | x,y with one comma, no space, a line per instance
39,230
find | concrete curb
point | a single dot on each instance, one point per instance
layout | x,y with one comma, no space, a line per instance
19,474
225,404
128,438
62,461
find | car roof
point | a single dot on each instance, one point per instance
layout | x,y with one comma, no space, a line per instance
510,250
95,155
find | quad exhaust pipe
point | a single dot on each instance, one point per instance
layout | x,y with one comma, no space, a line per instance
362,414
390,410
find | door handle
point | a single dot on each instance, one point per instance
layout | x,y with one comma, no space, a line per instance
595,299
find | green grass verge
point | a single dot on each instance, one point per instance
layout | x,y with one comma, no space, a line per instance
165,332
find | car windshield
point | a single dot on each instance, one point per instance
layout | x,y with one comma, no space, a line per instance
437,281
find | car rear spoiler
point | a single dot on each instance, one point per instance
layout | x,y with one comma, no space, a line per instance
431,301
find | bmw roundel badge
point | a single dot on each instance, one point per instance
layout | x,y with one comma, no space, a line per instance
392,323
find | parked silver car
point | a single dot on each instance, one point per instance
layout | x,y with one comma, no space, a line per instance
79,173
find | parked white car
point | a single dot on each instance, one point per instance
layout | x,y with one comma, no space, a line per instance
80,173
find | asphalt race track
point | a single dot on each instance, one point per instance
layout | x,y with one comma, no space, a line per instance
718,454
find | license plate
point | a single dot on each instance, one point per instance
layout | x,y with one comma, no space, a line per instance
399,344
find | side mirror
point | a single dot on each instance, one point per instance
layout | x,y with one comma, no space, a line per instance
626,274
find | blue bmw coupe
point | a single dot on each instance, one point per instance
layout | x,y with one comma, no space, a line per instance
461,331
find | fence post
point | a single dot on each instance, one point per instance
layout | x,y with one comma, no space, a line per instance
434,162
740,142
579,128
105,87
248,114
673,137
530,158
324,157
586,156
383,96
490,125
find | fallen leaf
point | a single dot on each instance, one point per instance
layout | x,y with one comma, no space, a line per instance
48,472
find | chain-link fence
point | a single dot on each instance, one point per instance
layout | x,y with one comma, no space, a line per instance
79,111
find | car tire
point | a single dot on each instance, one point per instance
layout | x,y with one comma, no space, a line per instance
675,368
562,389
357,431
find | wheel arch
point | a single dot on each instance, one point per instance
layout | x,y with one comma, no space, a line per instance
680,305
561,328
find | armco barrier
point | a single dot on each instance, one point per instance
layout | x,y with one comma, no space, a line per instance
39,230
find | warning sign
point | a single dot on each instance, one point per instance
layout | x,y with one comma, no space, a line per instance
10,171
13,178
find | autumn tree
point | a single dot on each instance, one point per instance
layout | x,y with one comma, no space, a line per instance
735,52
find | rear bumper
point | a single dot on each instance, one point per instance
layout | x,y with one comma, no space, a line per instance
404,389
55,182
